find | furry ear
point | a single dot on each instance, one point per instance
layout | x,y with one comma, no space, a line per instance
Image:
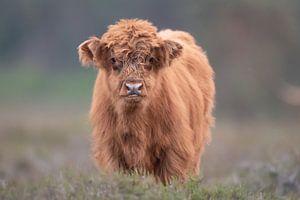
174,49
167,51
87,51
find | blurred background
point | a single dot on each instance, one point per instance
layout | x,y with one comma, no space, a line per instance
253,46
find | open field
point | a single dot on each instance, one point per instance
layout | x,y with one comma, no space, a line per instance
45,150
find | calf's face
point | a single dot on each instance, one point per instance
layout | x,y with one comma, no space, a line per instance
132,63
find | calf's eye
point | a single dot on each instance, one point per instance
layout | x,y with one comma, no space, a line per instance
113,60
150,63
151,60
116,65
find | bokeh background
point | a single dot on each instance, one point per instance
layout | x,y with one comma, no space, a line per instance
253,46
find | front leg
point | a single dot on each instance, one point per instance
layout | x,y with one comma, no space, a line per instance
103,150
173,163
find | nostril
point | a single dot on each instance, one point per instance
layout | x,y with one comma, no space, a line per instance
139,86
129,86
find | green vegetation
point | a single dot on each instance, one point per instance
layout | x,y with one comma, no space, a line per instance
72,184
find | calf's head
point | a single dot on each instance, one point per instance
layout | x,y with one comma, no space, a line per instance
131,54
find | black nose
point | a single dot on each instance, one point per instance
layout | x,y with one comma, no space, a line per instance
134,87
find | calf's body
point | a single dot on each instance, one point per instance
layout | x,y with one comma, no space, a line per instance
164,134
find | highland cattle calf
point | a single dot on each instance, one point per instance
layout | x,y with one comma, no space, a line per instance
153,98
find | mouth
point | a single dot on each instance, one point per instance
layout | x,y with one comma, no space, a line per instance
133,95
133,98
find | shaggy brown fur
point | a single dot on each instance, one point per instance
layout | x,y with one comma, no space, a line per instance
164,130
